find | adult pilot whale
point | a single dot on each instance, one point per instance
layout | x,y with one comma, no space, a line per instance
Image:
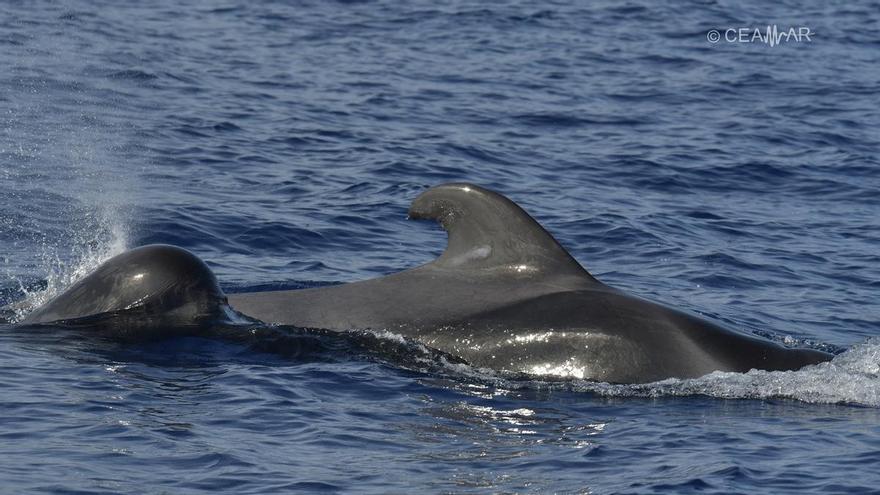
507,296
503,295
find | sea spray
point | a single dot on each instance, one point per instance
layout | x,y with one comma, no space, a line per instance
65,178
88,248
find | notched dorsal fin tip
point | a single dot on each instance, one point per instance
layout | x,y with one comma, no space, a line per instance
487,230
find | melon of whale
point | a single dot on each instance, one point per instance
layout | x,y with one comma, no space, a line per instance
503,295
144,292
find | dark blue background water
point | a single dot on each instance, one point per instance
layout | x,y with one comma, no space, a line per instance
283,143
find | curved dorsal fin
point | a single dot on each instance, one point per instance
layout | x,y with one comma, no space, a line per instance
488,231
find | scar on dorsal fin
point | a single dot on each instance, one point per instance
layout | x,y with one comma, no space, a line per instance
488,231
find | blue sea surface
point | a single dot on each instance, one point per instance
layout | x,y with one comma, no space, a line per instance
283,141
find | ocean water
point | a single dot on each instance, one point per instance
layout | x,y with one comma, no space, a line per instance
283,141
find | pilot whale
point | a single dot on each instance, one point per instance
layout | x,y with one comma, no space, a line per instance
141,292
503,295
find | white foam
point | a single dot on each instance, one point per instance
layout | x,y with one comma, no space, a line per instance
852,377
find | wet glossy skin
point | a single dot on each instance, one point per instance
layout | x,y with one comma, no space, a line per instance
572,328
160,284
507,296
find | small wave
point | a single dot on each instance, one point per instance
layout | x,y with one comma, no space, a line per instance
135,75
852,377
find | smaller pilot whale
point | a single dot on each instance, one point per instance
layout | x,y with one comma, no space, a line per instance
156,287
503,295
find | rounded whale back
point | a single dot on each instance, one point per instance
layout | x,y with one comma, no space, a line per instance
161,281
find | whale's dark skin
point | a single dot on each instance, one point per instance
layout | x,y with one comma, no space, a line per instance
507,296
150,289
504,295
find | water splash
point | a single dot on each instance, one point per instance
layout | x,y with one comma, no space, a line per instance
852,377
65,204
91,248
